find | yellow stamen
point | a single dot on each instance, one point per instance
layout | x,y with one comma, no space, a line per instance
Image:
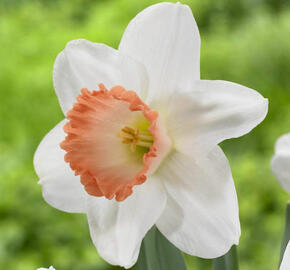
135,137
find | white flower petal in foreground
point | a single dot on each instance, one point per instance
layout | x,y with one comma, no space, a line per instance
210,112
86,64
165,39
285,264
142,149
118,228
201,216
281,161
60,187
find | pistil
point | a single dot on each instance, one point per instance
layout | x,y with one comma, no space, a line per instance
136,137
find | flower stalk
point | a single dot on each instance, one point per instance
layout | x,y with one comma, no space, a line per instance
157,253
229,261
286,236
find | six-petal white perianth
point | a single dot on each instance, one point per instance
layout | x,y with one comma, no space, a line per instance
281,161
184,184
285,264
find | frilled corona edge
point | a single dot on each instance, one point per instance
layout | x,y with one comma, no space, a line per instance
90,140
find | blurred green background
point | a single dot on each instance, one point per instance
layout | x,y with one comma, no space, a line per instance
245,41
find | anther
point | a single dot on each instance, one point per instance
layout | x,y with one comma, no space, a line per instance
135,137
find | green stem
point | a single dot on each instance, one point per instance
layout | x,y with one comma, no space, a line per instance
157,253
229,261
286,236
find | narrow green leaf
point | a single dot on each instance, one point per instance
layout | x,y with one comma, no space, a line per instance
170,257
227,262
286,236
148,259
157,253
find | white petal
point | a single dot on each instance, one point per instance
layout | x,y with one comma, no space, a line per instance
83,64
60,188
201,217
285,264
212,112
165,38
117,228
281,161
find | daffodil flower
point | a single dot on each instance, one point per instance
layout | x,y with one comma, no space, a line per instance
285,264
139,145
281,161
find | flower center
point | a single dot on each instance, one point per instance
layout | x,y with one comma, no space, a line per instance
114,141
135,137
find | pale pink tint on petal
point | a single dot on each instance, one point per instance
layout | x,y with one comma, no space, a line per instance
95,152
